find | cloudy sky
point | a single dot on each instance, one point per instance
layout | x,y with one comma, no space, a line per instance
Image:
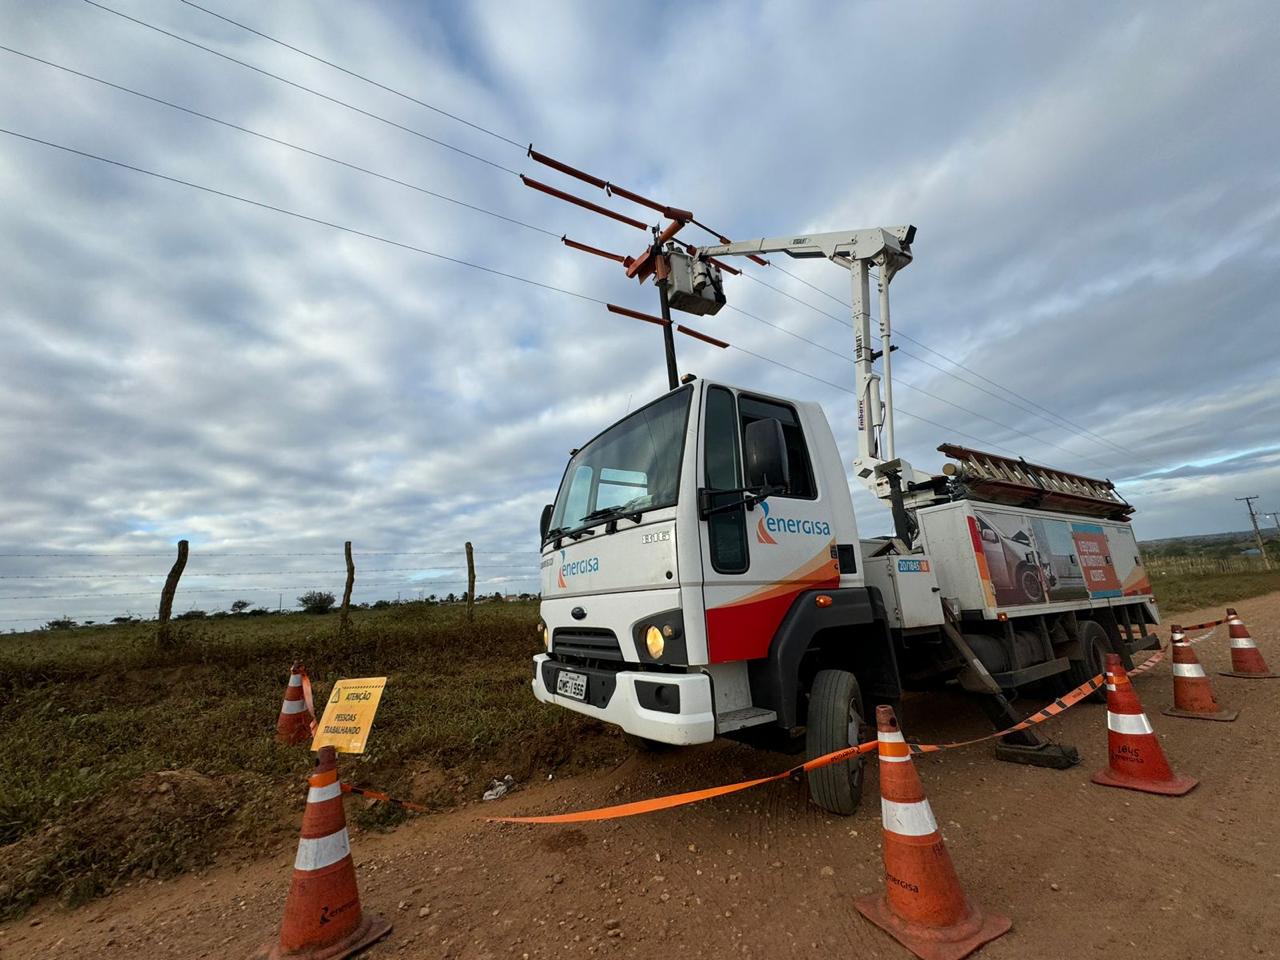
1095,187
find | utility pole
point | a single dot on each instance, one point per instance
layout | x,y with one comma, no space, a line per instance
1275,518
1257,534
668,335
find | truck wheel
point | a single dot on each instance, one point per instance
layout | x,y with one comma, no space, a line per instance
1029,581
1094,648
645,745
835,722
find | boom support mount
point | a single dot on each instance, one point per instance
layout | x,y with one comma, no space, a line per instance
888,249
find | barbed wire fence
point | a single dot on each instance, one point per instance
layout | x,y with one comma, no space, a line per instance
55,589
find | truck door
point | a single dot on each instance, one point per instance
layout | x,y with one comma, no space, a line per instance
756,561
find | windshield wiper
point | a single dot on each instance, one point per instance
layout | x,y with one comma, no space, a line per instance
624,511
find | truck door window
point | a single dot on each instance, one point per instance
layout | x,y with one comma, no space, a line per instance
727,530
752,409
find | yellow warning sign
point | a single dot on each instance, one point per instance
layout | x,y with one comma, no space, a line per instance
348,716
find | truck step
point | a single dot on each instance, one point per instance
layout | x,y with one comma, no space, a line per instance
746,717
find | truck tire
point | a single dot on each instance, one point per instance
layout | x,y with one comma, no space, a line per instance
835,722
1094,647
1030,583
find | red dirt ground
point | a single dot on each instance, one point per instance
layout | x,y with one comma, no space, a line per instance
1082,870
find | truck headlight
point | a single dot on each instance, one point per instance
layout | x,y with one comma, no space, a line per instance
655,642
546,636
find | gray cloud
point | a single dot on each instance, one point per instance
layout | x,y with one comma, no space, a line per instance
1094,188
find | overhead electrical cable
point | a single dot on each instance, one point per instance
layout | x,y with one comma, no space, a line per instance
352,73
420,250
1084,432
303,87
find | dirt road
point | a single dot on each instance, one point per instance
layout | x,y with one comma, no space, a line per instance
1082,870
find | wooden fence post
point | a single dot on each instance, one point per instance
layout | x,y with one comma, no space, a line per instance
346,593
471,583
163,637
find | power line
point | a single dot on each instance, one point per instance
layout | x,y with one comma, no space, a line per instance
301,216
352,73
273,588
552,234
310,90
1080,430
945,372
253,573
899,381
328,553
283,143
421,250
1045,413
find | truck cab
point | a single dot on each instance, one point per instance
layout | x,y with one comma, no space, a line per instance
700,567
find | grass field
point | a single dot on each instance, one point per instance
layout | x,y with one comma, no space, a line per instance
120,761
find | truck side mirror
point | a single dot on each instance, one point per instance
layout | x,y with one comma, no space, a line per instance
765,449
989,535
545,523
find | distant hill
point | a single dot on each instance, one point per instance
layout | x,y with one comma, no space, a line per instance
1232,544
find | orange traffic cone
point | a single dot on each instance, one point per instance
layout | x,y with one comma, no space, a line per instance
1246,661
1192,692
296,718
322,916
922,906
1137,760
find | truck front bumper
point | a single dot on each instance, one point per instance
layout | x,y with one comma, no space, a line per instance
672,708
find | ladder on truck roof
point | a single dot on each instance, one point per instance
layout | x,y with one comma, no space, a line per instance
987,476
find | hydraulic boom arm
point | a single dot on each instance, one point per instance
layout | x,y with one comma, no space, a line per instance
889,249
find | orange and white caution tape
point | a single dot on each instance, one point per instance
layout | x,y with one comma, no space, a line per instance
383,798
1065,702
308,699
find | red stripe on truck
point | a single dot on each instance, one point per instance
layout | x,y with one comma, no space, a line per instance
744,629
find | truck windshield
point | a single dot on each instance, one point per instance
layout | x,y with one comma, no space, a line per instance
634,464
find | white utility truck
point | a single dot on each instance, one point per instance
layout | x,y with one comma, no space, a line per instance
702,573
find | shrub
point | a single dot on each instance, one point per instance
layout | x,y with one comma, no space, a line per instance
61,623
240,606
191,615
316,601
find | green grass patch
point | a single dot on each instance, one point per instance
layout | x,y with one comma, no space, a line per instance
1183,592
120,760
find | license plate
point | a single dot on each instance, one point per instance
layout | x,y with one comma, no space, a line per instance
573,685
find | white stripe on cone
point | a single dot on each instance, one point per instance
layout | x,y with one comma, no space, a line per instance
322,851
294,706
1188,670
1243,643
1134,723
908,819
295,680
327,792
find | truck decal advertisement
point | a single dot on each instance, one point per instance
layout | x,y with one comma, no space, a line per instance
1031,559
1095,560
575,568
768,525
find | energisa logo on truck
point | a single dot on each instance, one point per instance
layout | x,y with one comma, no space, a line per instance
769,525
577,567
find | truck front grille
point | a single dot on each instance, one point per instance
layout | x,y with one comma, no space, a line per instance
586,643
